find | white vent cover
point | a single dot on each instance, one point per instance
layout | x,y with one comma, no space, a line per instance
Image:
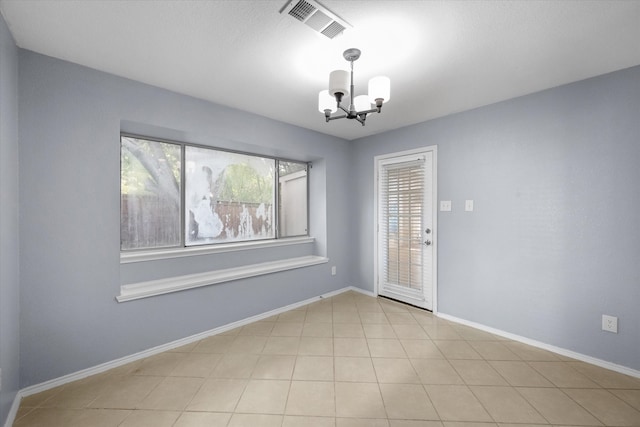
316,16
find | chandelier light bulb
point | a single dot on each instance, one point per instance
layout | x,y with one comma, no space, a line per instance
326,102
379,88
361,103
339,83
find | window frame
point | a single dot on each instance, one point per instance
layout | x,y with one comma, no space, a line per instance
182,250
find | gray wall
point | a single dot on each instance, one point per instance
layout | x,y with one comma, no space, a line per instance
554,240
9,273
70,121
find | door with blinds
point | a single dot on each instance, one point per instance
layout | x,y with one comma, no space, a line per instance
406,255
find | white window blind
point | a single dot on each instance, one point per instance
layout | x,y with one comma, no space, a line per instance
400,216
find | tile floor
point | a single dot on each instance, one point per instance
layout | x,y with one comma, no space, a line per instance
347,361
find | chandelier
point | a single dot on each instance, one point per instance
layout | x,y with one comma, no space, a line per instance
341,85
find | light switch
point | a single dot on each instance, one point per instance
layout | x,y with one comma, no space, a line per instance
468,205
445,205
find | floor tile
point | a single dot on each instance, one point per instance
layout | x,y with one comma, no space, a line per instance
632,397
218,395
313,398
557,407
282,345
400,318
172,394
380,347
354,369
346,317
348,330
255,420
286,329
561,374
235,366
361,422
457,403
378,330
79,394
62,417
421,349
456,349
302,421
323,330
410,331
608,408
274,367
436,371
493,350
314,368
389,365
419,423
374,318
506,405
441,332
196,365
350,347
529,353
520,374
605,377
264,397
477,372
407,401
247,344
203,419
359,400
319,317
395,370
142,418
126,392
316,346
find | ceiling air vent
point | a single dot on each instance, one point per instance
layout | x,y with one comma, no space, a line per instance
316,16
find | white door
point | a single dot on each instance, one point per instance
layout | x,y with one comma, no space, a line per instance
405,246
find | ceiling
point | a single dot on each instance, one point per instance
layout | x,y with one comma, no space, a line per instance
442,57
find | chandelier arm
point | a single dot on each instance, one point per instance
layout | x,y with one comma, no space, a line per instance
343,109
373,110
342,116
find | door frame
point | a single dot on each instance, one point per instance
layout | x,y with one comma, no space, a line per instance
434,203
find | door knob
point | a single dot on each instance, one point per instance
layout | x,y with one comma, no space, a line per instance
427,243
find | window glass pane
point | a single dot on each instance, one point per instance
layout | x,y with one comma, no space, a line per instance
292,203
228,196
150,194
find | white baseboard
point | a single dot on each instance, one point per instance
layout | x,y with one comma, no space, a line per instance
13,411
558,350
56,382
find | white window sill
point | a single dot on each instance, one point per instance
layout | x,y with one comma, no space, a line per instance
159,254
179,283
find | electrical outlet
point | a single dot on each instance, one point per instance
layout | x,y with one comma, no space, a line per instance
468,205
610,323
445,205
333,270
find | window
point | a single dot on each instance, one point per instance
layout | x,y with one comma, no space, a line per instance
179,195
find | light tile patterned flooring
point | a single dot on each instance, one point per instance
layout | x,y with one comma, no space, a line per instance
346,361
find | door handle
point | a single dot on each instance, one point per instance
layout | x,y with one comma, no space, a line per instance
427,243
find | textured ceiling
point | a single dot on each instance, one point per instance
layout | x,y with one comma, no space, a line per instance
442,56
